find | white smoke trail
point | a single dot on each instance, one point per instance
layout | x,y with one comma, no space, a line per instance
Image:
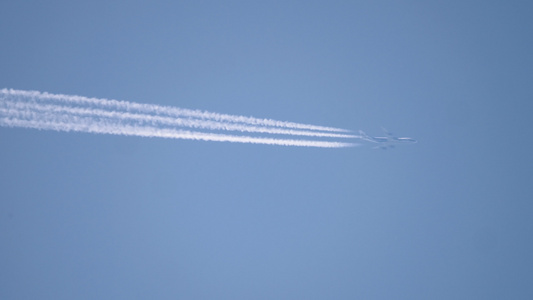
163,110
25,109
81,124
181,122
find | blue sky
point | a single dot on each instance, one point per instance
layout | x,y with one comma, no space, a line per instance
88,216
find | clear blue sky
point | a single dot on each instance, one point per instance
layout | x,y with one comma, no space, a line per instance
86,216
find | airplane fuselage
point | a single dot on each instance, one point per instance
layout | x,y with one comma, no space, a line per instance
379,139
386,142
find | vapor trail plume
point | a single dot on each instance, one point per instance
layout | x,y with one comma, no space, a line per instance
37,110
162,120
81,124
163,110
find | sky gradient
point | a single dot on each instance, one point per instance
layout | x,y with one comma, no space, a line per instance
85,216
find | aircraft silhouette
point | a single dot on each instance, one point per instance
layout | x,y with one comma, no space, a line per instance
386,142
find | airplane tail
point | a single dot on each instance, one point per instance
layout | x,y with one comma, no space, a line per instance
388,133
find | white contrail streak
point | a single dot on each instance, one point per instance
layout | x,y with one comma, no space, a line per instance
91,126
74,113
181,122
163,110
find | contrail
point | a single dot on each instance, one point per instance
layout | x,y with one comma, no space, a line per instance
70,123
163,110
181,122
37,110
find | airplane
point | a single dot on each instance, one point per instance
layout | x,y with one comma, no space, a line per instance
386,142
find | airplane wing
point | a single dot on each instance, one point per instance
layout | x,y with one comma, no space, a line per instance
388,133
